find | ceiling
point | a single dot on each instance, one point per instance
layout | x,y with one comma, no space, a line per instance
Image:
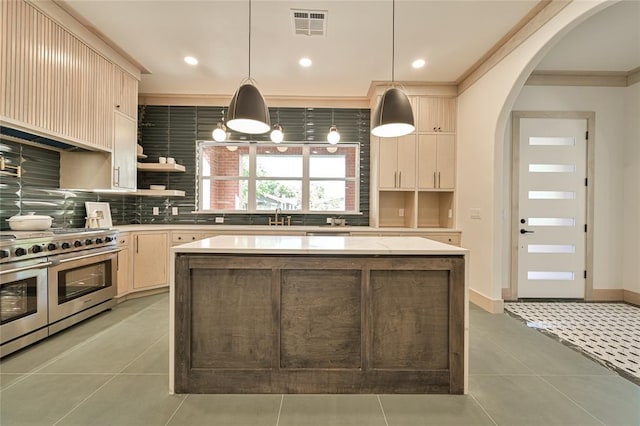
356,50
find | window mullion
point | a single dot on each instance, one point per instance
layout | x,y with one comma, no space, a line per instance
252,178
305,178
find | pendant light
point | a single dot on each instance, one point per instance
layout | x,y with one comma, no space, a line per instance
219,134
276,134
248,112
333,137
393,116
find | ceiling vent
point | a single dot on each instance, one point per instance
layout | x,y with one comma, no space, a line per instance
309,22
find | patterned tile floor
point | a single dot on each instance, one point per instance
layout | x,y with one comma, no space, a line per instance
607,332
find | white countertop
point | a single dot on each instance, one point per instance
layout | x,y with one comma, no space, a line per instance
293,228
279,244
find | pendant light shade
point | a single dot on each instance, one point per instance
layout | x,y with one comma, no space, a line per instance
248,112
393,117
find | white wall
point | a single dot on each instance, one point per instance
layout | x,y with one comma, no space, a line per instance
610,143
631,192
483,111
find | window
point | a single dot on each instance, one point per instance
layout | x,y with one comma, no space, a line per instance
258,177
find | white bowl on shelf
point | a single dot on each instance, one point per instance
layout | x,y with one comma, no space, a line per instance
157,187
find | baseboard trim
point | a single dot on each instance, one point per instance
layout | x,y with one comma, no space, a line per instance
631,297
607,295
488,304
506,294
142,293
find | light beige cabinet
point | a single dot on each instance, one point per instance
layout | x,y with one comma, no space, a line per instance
436,157
397,162
60,87
424,196
124,265
436,114
150,259
101,170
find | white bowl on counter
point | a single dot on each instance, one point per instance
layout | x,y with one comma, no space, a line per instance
30,222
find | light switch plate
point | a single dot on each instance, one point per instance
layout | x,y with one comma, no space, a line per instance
156,211
174,211
475,213
219,219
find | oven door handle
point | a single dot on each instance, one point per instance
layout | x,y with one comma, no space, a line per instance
86,256
26,268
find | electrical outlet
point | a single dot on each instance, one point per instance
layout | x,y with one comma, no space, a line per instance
401,212
219,219
330,220
450,214
156,211
174,211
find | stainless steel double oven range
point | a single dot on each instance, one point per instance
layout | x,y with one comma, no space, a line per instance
50,280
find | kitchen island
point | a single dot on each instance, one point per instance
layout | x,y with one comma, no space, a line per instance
324,314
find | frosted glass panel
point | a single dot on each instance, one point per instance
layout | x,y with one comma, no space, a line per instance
551,248
552,168
552,195
551,221
552,141
543,275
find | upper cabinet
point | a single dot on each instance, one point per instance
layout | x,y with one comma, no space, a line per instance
436,114
436,156
55,84
397,169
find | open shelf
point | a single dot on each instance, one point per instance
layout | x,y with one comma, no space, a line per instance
435,209
160,167
163,193
397,208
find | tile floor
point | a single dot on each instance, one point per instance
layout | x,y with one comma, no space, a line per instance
606,332
112,370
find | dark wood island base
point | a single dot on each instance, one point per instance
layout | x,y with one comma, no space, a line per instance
256,323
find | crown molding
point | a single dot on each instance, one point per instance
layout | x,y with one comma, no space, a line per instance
584,78
539,15
187,99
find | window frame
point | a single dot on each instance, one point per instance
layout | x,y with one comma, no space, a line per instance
253,179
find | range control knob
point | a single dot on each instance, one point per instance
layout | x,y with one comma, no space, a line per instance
66,245
77,243
52,246
108,239
4,253
88,242
20,251
36,249
98,240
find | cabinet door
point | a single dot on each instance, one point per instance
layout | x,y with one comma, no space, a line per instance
124,271
124,151
446,161
427,154
407,161
150,260
437,114
388,163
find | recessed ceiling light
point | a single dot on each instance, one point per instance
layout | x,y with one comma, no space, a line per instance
418,63
305,62
191,60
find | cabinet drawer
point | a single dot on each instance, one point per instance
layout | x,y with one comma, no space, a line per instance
453,239
185,237
123,240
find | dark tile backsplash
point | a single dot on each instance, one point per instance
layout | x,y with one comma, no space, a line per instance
171,131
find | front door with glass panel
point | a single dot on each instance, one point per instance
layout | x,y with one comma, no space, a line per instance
552,208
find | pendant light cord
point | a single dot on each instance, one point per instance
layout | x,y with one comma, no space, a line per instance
249,40
393,41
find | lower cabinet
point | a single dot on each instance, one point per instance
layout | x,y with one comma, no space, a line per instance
124,265
150,259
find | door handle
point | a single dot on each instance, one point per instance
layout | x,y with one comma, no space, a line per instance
524,231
